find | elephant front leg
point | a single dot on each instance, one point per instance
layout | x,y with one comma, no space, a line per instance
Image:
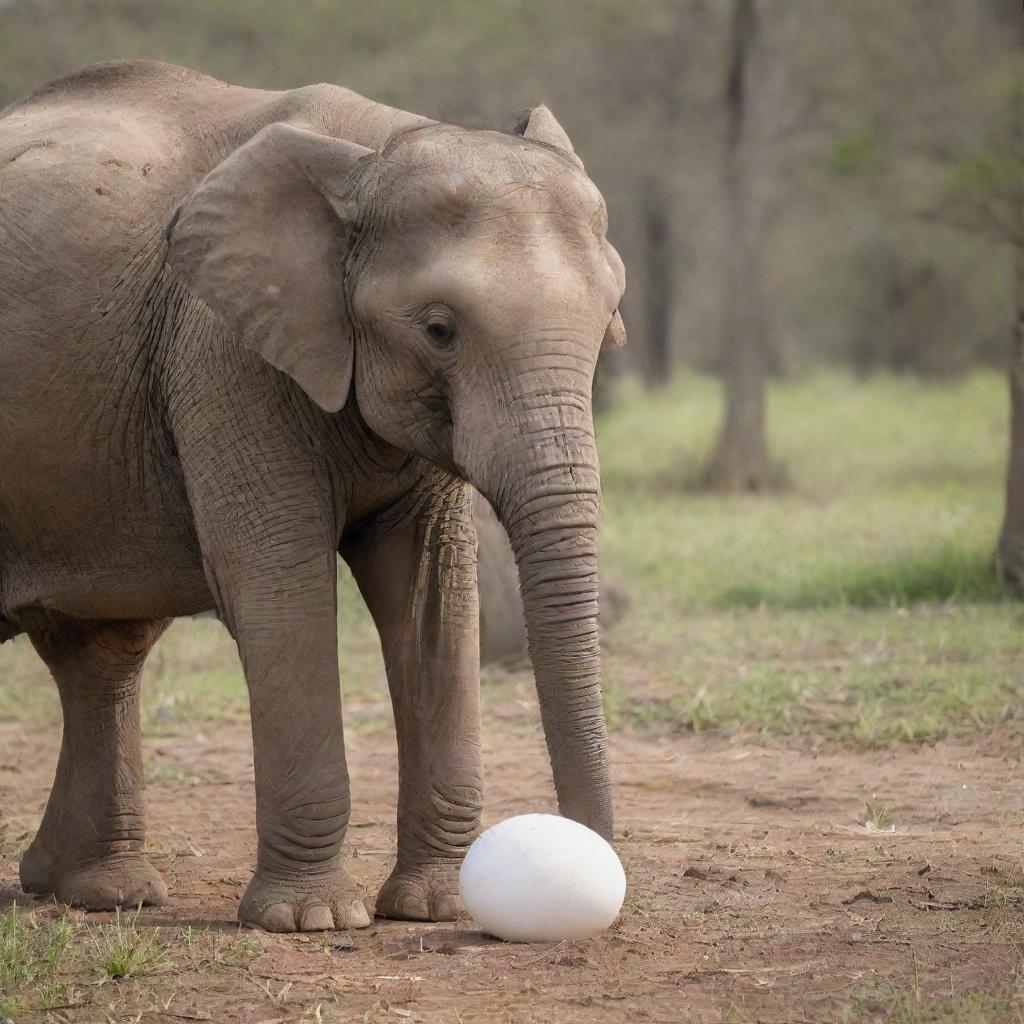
278,598
289,649
416,567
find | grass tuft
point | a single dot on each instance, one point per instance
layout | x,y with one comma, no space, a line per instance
878,818
121,950
32,952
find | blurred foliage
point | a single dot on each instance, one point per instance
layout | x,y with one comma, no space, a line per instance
991,170
856,151
888,113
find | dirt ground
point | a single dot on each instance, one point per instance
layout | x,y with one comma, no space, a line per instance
756,890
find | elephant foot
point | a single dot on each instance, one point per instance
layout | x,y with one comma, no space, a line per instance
421,894
119,880
302,903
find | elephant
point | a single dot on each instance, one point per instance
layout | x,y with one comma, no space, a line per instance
244,332
503,639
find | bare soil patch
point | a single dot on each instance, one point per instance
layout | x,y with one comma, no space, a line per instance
757,892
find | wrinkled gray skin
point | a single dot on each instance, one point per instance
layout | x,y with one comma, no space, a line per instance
241,331
503,639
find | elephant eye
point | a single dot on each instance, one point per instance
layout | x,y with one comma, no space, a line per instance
440,329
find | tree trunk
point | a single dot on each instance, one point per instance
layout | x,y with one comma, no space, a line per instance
658,264
1010,552
740,461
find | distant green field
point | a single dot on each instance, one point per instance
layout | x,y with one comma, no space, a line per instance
895,495
857,606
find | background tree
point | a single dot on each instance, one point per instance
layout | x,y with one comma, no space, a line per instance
1002,186
740,461
950,161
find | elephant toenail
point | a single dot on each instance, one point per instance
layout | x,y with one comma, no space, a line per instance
445,908
358,916
316,918
278,917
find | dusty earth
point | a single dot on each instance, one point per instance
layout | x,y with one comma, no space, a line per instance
757,891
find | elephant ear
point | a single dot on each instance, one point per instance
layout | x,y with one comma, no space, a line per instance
262,239
538,124
615,335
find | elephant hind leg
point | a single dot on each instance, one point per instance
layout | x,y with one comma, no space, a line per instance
88,850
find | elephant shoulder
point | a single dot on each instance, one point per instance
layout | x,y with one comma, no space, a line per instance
145,98
145,95
105,146
125,77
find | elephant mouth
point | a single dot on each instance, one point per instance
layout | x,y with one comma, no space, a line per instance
434,430
438,407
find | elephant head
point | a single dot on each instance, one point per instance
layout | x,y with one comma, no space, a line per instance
458,286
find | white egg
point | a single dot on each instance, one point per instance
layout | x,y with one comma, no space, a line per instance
542,878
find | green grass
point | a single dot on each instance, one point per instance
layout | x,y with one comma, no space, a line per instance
857,606
946,572
864,678
52,963
121,950
884,1002
895,497
32,956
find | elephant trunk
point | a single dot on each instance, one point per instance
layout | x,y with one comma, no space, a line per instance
548,501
